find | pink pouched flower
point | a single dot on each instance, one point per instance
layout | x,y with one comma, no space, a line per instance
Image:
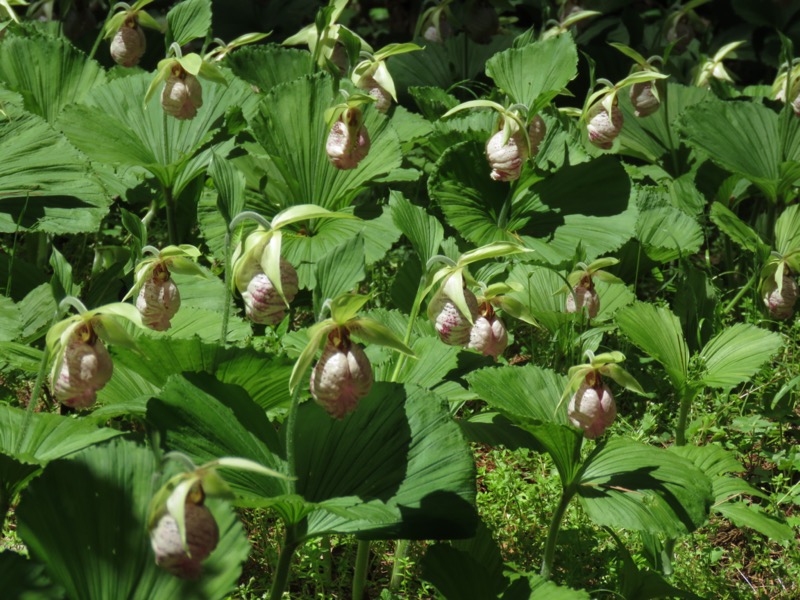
86,368
488,335
182,94
780,304
348,140
202,536
159,299
341,377
451,324
262,301
644,101
602,128
129,44
383,99
592,408
506,160
583,296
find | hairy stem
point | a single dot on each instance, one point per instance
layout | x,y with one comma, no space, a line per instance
686,401
398,569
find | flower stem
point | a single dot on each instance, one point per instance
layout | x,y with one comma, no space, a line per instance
730,306
407,337
290,544
100,35
360,574
226,307
398,568
686,401
555,527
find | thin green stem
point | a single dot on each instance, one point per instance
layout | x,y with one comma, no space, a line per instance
360,574
34,399
686,401
555,527
172,226
407,337
290,544
100,35
730,306
226,307
291,420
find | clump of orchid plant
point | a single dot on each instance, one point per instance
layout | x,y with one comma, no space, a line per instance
372,76
267,282
348,140
183,531
182,94
157,296
601,111
592,407
454,309
81,363
343,374
128,42
580,289
515,139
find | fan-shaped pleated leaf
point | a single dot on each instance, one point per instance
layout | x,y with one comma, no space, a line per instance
102,548
188,20
10,324
630,485
267,66
657,332
49,73
736,354
534,74
455,60
653,136
45,183
114,126
339,271
787,231
22,578
667,233
742,137
422,229
265,378
292,129
736,229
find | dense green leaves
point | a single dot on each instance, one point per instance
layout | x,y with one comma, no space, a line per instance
735,355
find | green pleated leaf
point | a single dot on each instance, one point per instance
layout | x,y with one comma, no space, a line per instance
667,233
10,324
113,485
300,172
455,60
657,332
742,137
114,126
267,66
206,419
534,74
49,73
422,229
629,485
45,183
736,229
265,378
188,20
651,137
787,231
736,354
229,183
728,490
339,271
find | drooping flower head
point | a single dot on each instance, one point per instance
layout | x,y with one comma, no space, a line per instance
159,299
592,408
488,335
780,296
182,94
129,43
603,126
581,293
342,375
348,141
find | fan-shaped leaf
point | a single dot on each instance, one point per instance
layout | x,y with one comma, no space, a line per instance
268,66
735,355
188,20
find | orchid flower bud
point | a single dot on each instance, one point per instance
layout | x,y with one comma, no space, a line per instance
644,101
182,94
452,326
128,44
202,536
159,299
592,407
537,130
780,303
348,141
438,34
602,128
262,301
86,368
383,99
341,377
488,335
506,159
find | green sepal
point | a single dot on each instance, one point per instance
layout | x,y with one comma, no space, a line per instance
346,306
316,334
271,263
163,71
622,377
375,332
